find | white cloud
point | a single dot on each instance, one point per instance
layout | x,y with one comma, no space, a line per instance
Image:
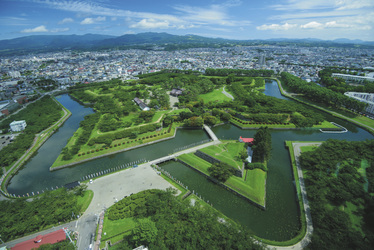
40,28
334,24
90,20
312,25
151,24
285,26
66,20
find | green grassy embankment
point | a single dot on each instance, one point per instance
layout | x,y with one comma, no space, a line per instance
253,187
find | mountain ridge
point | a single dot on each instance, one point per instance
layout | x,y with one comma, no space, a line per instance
45,43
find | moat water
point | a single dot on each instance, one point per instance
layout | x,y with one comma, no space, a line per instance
279,222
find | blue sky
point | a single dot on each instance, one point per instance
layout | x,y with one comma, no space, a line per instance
233,19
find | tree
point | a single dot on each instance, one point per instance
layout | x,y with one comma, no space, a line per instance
262,145
220,171
145,233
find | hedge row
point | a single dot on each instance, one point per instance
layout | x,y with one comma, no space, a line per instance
133,132
128,206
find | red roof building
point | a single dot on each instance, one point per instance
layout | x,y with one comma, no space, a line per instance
50,238
246,140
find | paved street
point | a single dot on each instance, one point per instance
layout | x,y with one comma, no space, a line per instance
70,226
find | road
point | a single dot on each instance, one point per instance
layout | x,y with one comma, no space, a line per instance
227,94
70,226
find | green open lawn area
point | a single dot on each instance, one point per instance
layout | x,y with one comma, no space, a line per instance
365,120
226,152
84,202
116,229
215,96
308,148
195,162
253,187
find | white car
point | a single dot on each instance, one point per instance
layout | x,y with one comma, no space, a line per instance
91,181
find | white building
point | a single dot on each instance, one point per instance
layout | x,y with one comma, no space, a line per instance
17,126
353,77
363,97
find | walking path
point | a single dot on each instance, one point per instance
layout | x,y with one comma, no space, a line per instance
227,94
38,141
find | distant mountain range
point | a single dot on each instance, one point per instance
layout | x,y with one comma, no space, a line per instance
150,40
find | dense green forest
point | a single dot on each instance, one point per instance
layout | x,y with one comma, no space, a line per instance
262,145
339,178
38,116
20,217
340,85
164,222
319,94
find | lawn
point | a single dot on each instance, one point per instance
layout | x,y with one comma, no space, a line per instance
226,152
84,202
195,162
115,230
253,187
308,148
215,96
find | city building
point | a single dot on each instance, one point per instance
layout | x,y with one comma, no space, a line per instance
17,126
353,78
363,97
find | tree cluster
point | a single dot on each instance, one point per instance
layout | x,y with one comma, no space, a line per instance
221,171
87,125
109,138
320,94
166,223
38,116
262,145
20,217
339,85
334,183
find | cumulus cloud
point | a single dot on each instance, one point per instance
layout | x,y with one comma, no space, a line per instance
312,25
285,26
151,24
66,20
90,20
40,28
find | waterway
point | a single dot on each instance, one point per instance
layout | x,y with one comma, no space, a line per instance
280,221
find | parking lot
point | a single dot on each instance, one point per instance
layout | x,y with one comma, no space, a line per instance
6,139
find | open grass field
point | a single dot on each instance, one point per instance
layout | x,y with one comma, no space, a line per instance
115,230
253,187
84,202
196,162
215,96
226,152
